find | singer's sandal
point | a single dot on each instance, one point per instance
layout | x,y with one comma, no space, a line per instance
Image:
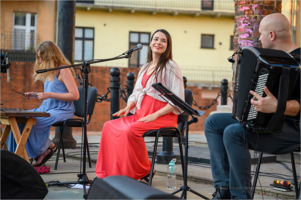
46,157
145,179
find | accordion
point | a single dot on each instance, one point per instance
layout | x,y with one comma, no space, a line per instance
256,68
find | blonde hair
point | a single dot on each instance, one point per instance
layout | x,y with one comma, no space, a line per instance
52,57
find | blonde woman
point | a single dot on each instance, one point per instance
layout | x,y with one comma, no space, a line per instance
59,93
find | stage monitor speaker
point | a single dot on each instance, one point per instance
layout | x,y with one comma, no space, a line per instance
19,180
123,187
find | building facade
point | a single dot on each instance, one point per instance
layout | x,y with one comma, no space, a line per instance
201,32
24,24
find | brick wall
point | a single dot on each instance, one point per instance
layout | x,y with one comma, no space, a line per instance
248,14
22,81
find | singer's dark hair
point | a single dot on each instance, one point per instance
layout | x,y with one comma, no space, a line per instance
164,58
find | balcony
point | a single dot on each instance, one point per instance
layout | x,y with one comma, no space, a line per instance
19,46
173,7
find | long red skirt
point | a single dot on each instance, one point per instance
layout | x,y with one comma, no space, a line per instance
122,149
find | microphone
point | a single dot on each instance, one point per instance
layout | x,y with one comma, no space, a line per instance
138,47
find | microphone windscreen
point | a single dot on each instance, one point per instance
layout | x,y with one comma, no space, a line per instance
140,46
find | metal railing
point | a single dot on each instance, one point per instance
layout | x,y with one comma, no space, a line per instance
207,76
167,5
20,55
19,46
19,40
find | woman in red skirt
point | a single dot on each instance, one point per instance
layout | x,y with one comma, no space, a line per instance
122,149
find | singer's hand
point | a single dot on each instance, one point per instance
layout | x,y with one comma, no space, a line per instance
123,112
31,95
266,104
44,95
126,110
148,118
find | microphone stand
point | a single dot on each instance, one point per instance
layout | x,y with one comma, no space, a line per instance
85,69
185,188
179,104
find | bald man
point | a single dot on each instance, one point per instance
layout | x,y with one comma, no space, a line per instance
229,143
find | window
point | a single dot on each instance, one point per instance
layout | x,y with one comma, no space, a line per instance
231,43
207,4
138,58
84,44
24,31
207,41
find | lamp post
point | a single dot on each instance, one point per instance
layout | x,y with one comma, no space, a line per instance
66,28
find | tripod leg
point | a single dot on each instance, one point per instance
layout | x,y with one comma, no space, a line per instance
183,194
181,154
175,192
186,162
196,193
88,152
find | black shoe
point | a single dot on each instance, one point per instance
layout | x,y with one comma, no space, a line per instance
47,157
145,179
221,193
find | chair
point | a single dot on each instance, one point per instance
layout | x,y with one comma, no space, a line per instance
170,132
77,122
293,168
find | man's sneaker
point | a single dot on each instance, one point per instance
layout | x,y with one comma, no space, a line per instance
221,193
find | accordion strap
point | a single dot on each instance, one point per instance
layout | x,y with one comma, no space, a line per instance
275,124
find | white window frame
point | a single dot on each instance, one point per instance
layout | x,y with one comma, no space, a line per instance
27,29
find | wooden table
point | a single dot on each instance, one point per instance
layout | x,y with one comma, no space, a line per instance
11,120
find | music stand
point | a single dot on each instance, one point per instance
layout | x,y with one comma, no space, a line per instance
85,69
179,104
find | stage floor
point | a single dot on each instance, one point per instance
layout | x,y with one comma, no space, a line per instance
200,178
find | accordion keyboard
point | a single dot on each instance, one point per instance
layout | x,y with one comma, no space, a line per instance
261,83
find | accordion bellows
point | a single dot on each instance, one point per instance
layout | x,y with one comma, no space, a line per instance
255,69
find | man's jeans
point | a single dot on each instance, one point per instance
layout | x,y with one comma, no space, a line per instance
229,145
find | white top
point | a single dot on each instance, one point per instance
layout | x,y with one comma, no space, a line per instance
171,78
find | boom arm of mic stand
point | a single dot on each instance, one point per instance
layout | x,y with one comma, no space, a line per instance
56,68
109,59
86,63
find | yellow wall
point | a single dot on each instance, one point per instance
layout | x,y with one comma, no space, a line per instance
46,16
112,35
286,8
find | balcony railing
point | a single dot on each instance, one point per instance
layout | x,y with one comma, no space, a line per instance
20,55
19,46
207,77
188,6
19,40
199,75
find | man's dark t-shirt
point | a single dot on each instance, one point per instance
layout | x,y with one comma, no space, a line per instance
296,91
